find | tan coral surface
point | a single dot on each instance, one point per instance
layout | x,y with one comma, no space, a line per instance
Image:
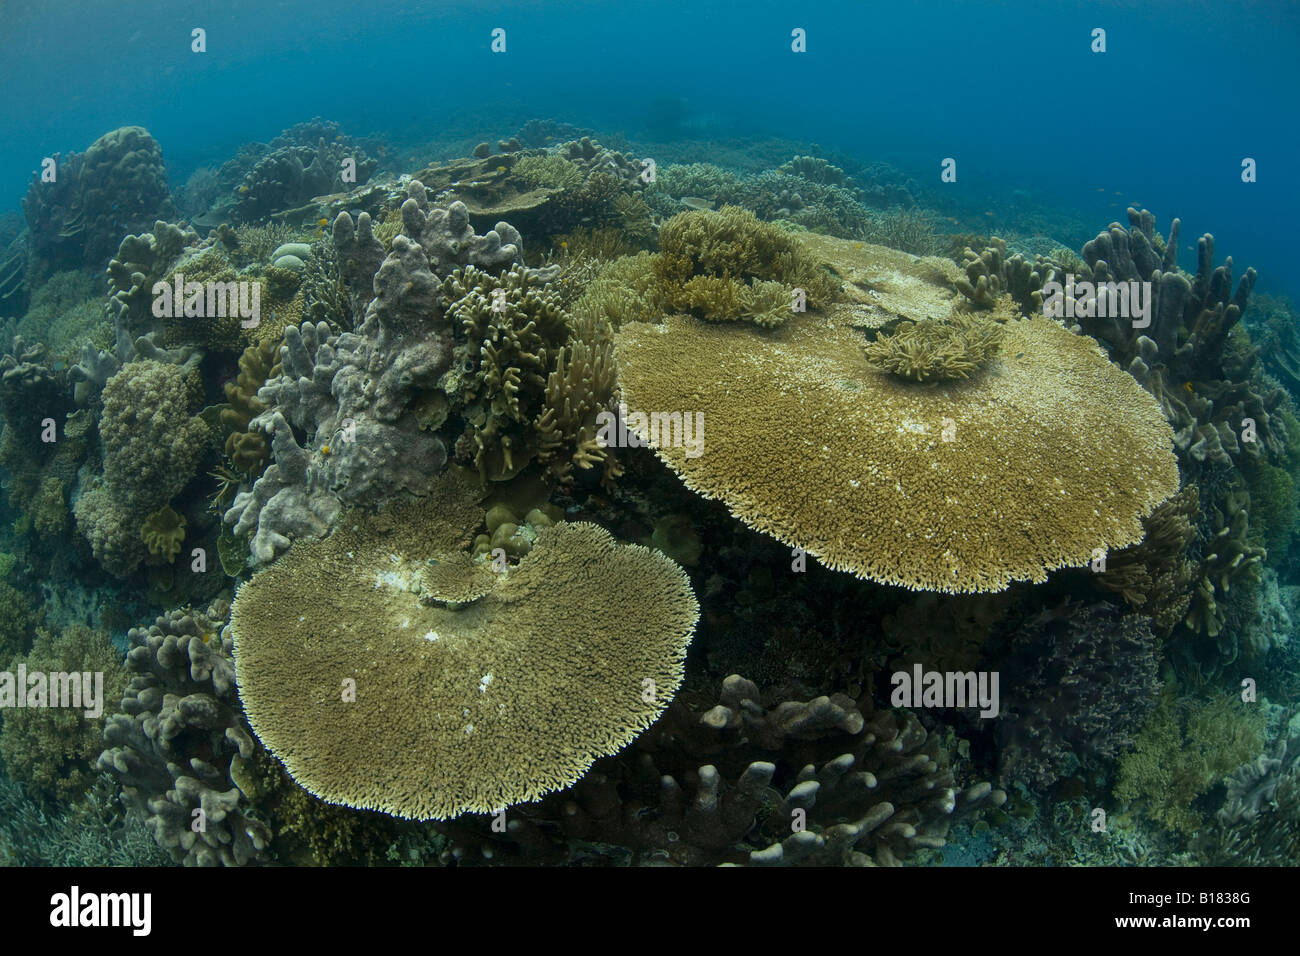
1052,451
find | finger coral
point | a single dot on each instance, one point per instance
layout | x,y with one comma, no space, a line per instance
956,486
379,697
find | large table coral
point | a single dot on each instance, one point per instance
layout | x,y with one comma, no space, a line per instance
1050,453
379,694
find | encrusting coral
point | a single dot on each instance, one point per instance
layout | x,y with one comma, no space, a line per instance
378,696
960,486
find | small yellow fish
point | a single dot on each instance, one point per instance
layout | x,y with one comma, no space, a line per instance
323,221
501,169
243,189
564,244
1188,386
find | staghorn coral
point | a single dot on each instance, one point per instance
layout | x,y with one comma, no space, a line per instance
853,466
548,169
937,349
476,686
172,745
626,290
1081,681
151,447
50,749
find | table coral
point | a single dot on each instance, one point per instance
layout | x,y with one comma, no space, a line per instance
486,690
853,465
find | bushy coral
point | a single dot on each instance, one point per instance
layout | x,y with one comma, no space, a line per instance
52,750
529,381
1185,748
954,347
1080,683
727,265
151,447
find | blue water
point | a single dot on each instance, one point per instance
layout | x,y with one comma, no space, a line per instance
1010,90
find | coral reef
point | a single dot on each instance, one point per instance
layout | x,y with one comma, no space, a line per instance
474,684
117,186
1028,478
290,175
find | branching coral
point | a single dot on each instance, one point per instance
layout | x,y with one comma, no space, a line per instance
52,749
178,733
727,265
953,347
1182,751
732,782
530,382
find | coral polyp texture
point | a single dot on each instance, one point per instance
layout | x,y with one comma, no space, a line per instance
960,486
383,695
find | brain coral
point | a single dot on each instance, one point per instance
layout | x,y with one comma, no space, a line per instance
954,486
468,709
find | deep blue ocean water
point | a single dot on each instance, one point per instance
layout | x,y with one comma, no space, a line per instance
1012,91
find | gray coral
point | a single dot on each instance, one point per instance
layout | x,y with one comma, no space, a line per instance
172,745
